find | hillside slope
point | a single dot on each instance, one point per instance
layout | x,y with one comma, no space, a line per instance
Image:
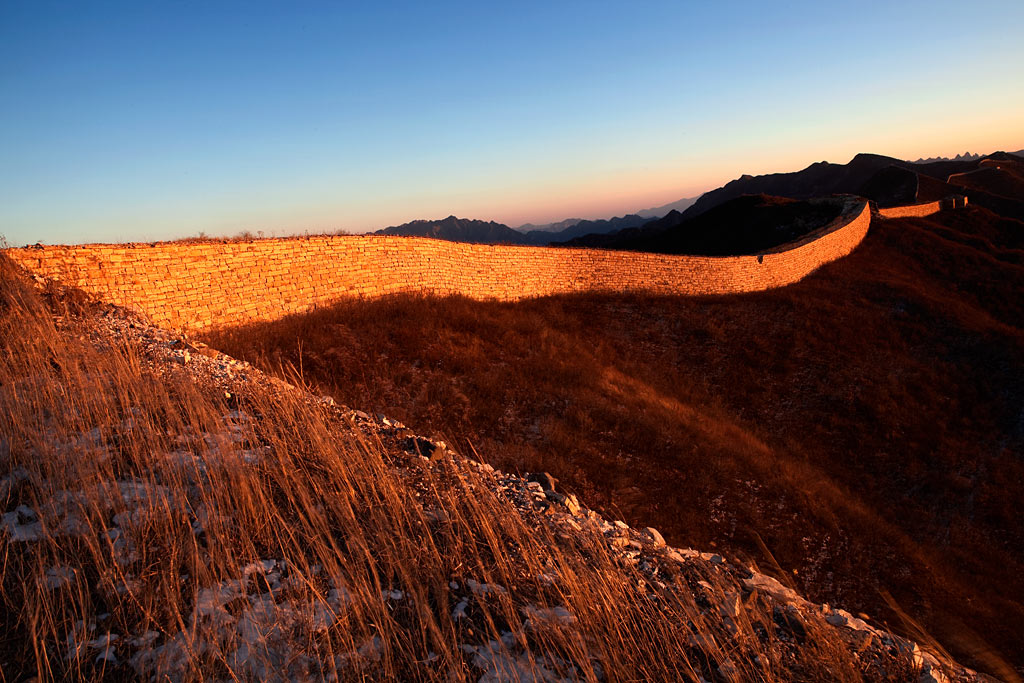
745,225
862,428
817,180
457,230
883,179
172,514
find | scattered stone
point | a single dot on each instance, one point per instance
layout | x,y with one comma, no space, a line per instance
730,606
546,481
656,537
534,499
836,619
861,640
420,446
570,502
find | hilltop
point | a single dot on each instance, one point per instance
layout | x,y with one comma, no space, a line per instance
755,213
171,513
857,428
745,225
965,156
885,180
457,230
183,514
864,176
480,232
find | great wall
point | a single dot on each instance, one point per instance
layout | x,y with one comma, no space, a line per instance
193,286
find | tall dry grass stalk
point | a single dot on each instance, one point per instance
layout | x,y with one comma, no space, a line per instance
155,530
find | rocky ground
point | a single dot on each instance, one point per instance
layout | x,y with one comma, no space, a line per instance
258,602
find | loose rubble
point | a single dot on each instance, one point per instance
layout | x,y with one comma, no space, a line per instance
253,609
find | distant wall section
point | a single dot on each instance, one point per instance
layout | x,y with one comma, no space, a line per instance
201,285
926,209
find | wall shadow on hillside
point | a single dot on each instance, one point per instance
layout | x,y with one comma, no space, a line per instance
862,425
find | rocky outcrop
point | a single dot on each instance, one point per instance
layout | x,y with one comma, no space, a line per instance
726,589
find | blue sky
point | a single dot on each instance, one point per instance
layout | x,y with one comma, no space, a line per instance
153,120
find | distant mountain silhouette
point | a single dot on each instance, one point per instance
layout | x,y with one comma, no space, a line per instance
995,181
581,228
966,156
458,230
998,175
549,227
607,225
744,225
876,177
817,180
660,211
751,214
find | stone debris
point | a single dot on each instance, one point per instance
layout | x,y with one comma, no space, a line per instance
656,537
256,614
546,481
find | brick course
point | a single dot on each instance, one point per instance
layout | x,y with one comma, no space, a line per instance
200,285
911,210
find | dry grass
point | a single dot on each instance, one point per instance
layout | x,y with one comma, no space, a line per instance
136,515
863,425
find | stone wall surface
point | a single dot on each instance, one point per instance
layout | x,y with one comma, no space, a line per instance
201,285
913,210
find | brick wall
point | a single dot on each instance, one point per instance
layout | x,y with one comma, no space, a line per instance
911,210
195,286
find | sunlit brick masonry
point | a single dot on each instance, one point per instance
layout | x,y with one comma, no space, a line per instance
193,286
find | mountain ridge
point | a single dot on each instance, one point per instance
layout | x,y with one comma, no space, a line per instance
475,231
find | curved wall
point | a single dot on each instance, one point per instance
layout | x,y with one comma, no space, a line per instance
195,286
911,210
956,201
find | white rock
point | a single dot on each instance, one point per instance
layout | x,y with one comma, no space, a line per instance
659,540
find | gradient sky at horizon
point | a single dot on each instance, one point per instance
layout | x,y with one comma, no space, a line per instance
145,121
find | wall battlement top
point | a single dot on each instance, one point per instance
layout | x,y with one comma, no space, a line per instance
197,285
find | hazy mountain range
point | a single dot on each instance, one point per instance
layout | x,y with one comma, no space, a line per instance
659,211
966,156
744,225
549,227
885,180
457,230
488,232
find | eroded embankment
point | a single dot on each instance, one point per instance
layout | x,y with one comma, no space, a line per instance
181,517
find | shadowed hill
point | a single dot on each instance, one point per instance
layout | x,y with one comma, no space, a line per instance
882,179
549,227
169,517
892,186
457,230
1004,178
995,182
662,211
863,425
745,225
817,180
598,227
